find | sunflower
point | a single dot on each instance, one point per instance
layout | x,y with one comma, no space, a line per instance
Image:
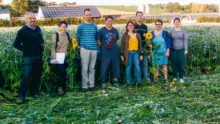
75,43
148,36
172,84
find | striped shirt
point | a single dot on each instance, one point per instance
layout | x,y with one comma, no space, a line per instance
86,35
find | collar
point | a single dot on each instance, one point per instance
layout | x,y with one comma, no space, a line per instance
31,27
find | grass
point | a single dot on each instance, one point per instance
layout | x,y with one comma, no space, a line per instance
195,101
157,10
120,8
131,9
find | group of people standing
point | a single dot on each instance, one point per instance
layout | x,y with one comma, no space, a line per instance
91,39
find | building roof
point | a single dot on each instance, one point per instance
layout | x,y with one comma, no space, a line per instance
4,11
68,11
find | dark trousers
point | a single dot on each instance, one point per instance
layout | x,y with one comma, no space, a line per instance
33,66
60,70
178,61
106,62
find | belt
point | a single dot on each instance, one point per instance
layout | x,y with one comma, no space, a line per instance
132,50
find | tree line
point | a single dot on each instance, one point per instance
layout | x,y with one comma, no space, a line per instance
191,8
20,7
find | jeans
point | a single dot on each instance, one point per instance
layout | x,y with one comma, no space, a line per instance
33,66
133,57
144,67
106,62
88,61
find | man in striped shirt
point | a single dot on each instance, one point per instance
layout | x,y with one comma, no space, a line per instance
86,36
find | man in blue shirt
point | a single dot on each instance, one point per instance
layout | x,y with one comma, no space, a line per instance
86,36
109,55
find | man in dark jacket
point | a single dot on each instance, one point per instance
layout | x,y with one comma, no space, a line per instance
30,41
141,29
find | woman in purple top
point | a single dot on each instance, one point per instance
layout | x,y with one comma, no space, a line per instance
178,50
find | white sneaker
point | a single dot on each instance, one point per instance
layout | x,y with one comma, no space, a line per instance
181,81
174,79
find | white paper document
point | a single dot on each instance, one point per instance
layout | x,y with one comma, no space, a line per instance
60,57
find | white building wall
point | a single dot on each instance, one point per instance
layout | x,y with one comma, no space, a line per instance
7,2
5,16
144,8
141,7
40,15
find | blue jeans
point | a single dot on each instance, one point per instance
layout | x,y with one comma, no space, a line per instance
133,57
33,66
144,67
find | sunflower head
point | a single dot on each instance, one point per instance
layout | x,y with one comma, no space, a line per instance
75,43
172,84
148,36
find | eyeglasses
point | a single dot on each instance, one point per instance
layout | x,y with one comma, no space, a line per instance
130,25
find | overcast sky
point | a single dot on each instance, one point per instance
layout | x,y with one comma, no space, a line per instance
132,2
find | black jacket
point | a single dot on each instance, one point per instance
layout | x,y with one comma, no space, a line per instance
29,41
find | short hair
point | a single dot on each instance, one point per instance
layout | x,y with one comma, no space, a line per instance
108,17
139,12
159,20
176,19
87,9
28,13
63,22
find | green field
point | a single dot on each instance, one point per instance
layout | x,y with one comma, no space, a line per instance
195,102
157,10
131,9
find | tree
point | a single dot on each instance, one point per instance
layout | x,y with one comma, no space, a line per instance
34,4
19,7
173,7
213,7
176,7
169,7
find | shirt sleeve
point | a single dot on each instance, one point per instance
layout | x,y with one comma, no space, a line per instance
185,40
18,42
168,40
96,32
78,34
146,29
98,35
117,35
53,46
122,45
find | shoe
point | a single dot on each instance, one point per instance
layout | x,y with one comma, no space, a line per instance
60,91
19,100
174,79
84,90
104,86
129,85
36,96
91,89
116,84
166,80
181,81
139,84
148,79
